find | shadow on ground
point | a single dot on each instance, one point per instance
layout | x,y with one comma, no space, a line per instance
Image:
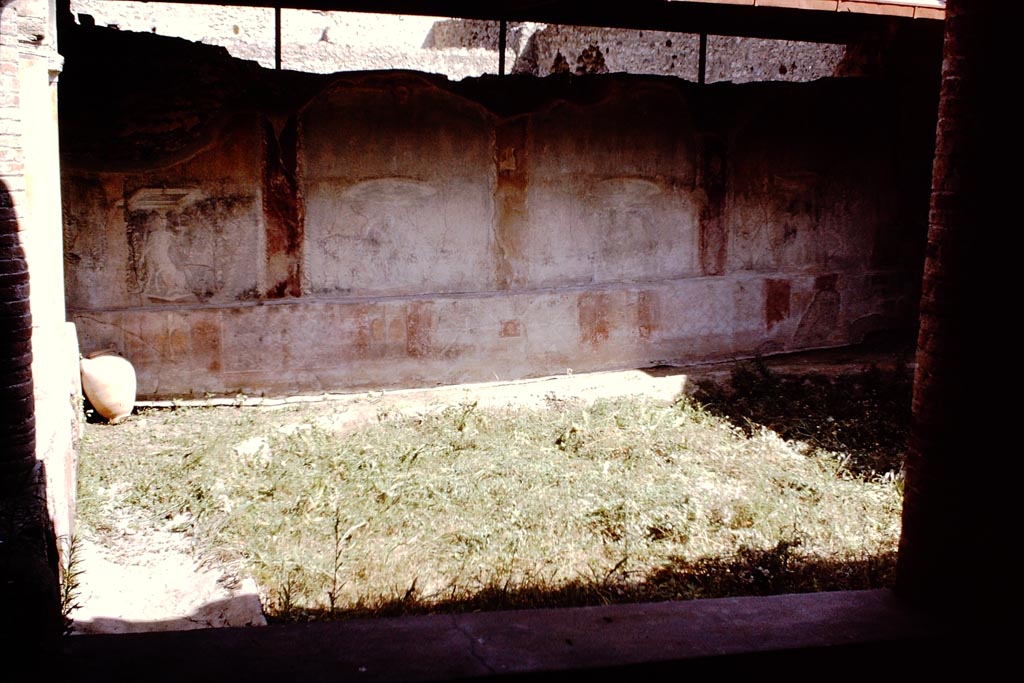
865,414
775,571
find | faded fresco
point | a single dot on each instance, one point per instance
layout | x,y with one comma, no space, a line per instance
397,229
398,192
195,251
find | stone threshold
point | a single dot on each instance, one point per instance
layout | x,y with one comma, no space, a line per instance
869,632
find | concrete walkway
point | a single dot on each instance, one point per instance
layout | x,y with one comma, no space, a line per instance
841,634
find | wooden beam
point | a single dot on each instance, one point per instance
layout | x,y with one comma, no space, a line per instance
877,8
702,59
689,16
825,5
929,13
277,38
502,28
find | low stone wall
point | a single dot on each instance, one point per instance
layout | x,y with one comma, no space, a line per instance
271,233
298,346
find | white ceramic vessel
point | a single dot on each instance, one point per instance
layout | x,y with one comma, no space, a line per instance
108,381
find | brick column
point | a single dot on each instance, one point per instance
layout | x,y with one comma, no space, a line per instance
17,420
30,619
961,446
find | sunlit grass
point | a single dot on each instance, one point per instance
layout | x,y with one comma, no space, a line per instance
618,501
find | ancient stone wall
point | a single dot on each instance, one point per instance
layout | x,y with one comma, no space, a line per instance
230,229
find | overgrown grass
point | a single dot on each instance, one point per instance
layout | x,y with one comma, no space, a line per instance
465,509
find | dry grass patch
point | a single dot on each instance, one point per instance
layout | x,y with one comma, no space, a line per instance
466,509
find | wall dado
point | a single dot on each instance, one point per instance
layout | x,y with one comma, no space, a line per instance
383,229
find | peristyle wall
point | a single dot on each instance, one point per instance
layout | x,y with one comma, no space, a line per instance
230,229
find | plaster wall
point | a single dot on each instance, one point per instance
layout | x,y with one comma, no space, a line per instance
189,233
55,369
392,229
38,356
29,171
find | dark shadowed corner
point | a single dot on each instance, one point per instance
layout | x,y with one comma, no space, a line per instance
28,557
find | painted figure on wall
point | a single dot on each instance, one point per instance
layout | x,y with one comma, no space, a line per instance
164,279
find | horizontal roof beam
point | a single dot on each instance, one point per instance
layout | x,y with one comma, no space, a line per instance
805,20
